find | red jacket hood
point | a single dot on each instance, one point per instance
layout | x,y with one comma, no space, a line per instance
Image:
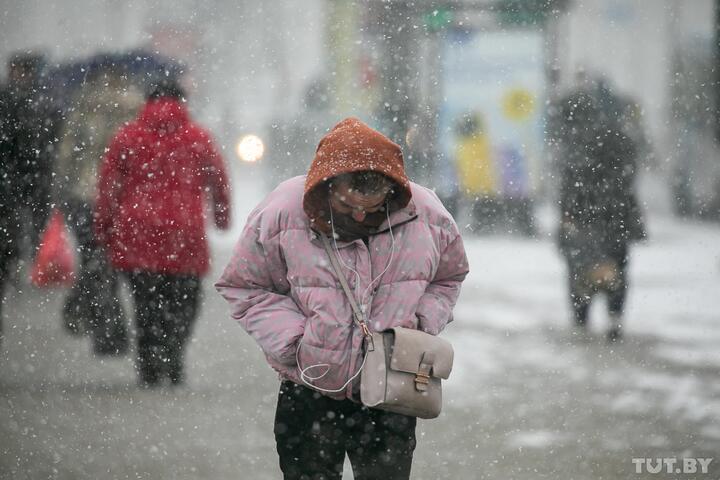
352,146
164,112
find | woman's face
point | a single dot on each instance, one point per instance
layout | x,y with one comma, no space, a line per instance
346,201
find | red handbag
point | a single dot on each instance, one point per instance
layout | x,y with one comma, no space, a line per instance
54,263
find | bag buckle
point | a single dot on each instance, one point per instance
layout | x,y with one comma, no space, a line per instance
421,381
371,344
422,377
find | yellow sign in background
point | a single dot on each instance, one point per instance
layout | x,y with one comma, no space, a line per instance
518,104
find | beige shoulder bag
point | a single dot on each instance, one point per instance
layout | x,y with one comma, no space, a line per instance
403,367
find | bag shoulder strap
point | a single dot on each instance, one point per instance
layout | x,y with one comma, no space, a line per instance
358,314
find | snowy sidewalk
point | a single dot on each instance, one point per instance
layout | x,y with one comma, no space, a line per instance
527,399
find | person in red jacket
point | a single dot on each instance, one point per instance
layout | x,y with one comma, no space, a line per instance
150,217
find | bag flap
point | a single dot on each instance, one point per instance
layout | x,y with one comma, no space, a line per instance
409,346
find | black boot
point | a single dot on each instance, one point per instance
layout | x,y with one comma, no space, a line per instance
110,334
175,370
75,313
580,314
149,366
614,333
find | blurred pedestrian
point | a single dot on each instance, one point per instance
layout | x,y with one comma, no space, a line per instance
150,217
28,128
106,100
9,227
405,260
293,138
600,215
476,170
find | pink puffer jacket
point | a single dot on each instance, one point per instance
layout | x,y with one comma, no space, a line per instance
281,285
282,288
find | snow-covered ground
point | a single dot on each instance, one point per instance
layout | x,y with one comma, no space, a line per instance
540,401
528,398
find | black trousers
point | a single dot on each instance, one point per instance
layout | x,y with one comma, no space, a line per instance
166,307
9,236
314,432
93,302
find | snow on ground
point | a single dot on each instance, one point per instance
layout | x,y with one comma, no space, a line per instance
518,356
527,399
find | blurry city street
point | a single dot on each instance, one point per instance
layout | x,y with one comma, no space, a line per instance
527,399
575,143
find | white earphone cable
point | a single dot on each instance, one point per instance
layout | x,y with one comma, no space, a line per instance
307,379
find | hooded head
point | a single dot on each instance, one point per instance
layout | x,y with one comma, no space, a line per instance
25,68
167,88
165,109
351,147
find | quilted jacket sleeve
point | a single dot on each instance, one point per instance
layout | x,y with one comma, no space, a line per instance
216,179
255,285
434,310
109,186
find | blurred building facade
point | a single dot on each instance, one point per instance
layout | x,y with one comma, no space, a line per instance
245,59
250,63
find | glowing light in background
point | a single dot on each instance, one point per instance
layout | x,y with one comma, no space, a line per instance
250,148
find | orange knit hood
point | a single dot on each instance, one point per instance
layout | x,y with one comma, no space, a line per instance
352,146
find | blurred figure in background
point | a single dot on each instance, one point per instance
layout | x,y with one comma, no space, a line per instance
105,101
150,217
28,129
293,140
35,122
600,215
446,185
9,227
476,170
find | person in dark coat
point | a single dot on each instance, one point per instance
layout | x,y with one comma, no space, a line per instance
600,215
150,217
292,140
28,129
34,124
9,227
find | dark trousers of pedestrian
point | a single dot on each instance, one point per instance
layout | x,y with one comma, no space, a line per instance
93,303
32,211
166,307
486,213
8,254
581,300
314,432
14,225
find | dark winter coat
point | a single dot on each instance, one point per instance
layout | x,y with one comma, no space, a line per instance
8,225
7,146
150,212
600,214
28,126
28,130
